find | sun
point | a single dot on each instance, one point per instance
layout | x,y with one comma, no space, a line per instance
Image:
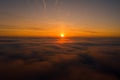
62,35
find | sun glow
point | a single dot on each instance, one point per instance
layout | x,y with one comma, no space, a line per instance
62,35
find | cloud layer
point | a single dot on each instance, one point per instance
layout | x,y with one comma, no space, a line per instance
52,59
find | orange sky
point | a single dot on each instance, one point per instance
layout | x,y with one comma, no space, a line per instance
51,18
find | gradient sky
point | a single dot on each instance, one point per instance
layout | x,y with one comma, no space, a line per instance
51,17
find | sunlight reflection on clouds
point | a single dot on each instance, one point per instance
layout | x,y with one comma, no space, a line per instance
61,59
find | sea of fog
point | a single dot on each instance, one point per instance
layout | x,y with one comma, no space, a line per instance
59,58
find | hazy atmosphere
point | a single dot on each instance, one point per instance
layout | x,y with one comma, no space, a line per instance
87,18
59,39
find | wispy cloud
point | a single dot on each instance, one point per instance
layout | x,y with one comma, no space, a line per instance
21,27
91,31
44,5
